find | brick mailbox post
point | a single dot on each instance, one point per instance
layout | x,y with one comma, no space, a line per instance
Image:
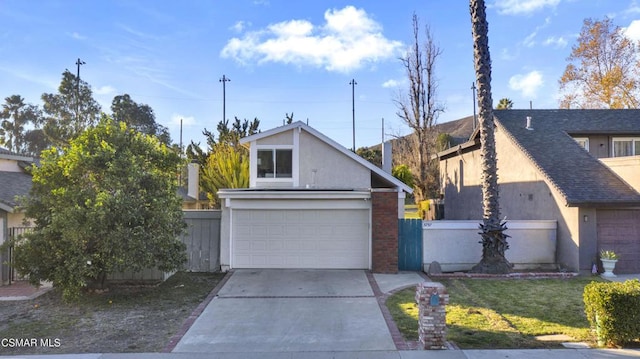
432,328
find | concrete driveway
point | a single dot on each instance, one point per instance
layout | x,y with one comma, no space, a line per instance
290,310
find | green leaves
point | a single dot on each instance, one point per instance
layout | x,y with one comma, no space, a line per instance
108,199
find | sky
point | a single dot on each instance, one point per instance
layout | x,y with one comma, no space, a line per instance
289,56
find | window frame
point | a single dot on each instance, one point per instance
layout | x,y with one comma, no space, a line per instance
273,149
635,150
586,142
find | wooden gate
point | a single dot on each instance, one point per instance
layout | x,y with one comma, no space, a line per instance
202,240
410,244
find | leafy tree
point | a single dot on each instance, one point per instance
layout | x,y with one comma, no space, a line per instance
494,241
226,167
403,173
106,202
70,111
420,110
603,69
288,118
504,104
443,141
372,155
15,115
139,117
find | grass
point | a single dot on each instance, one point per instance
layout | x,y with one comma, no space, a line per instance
124,319
499,313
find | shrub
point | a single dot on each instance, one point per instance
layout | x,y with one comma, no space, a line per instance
613,310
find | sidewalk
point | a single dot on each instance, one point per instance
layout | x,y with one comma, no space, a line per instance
415,354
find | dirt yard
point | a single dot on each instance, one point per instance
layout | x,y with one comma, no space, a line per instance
123,319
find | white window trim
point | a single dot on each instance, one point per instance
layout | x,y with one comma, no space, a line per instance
295,162
622,139
586,141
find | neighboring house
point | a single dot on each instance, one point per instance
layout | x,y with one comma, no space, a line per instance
579,167
14,182
312,203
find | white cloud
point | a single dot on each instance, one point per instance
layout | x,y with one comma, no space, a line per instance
558,42
391,83
239,26
633,30
520,7
77,36
104,90
506,55
186,120
347,40
528,84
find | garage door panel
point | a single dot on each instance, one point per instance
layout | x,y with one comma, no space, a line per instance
301,238
619,230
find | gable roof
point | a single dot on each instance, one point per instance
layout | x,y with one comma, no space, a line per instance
13,184
581,178
302,126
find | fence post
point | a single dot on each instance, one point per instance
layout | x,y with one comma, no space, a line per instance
432,298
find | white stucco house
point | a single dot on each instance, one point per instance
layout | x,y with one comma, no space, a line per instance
312,203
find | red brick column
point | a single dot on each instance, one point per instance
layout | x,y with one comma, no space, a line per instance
384,231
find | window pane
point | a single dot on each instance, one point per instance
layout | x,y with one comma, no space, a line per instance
284,159
265,164
622,148
637,147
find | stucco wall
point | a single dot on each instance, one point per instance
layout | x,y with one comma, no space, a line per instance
454,244
282,138
627,168
333,169
525,194
9,166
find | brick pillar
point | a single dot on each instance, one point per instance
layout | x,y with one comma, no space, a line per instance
432,328
384,231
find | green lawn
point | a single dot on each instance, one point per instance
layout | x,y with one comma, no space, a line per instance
503,313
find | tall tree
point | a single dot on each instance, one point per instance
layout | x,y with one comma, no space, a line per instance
70,111
139,117
494,240
504,104
226,167
420,108
15,115
106,202
603,69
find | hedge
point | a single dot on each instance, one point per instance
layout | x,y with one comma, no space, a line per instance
613,310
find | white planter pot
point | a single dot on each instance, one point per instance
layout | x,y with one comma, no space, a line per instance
608,265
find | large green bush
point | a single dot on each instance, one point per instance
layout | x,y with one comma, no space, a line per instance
107,202
613,310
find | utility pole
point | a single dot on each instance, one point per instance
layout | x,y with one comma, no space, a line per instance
473,88
224,80
353,84
79,62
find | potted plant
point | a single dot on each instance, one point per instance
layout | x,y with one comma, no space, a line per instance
608,259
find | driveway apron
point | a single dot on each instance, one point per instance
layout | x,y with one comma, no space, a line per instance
290,310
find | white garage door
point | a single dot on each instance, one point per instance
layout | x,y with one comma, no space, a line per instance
305,238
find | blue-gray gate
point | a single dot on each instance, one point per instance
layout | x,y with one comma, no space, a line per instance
410,244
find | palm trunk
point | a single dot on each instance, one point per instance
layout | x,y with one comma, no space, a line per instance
494,242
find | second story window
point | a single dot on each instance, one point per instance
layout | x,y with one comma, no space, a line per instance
626,146
275,163
583,142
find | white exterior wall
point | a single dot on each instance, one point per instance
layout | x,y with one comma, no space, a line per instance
454,244
9,166
332,168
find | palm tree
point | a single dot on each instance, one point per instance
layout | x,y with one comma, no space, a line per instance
504,104
494,241
15,114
